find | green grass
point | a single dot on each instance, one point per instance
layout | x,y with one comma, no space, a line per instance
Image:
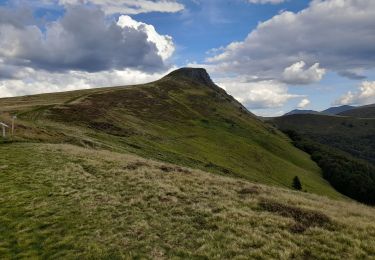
174,120
66,202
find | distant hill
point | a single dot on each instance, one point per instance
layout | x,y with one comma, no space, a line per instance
361,112
183,118
329,111
337,110
301,112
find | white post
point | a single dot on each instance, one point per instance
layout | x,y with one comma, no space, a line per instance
4,126
13,118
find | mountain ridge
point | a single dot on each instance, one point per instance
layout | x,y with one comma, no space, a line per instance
337,110
367,111
301,111
199,75
178,119
329,111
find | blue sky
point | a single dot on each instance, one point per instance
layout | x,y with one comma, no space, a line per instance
272,55
209,24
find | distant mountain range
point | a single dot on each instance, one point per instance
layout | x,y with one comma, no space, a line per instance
345,110
301,112
337,110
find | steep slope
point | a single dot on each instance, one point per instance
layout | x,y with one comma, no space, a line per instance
337,110
355,136
183,118
361,112
67,202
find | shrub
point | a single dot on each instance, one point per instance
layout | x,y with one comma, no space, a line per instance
296,183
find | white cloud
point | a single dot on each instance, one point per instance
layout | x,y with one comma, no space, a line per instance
266,1
257,94
363,96
83,49
304,103
164,43
84,39
338,34
130,6
299,74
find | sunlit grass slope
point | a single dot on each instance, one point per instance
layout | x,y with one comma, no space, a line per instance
183,119
64,201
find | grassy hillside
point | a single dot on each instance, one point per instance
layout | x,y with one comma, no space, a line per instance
63,201
355,136
183,119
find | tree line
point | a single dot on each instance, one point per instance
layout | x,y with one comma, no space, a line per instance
352,177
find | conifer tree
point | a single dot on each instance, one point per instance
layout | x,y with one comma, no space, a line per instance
296,183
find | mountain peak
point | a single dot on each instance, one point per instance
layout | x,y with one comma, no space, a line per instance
337,110
301,112
199,75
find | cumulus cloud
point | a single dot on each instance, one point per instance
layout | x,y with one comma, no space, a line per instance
266,1
17,17
304,103
363,96
164,43
299,74
130,6
82,49
257,94
84,40
340,35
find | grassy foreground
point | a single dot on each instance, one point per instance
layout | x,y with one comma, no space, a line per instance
63,201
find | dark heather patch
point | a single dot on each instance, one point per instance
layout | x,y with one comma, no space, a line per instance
135,165
249,190
166,168
89,168
304,218
112,129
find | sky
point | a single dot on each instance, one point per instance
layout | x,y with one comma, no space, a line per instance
271,55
